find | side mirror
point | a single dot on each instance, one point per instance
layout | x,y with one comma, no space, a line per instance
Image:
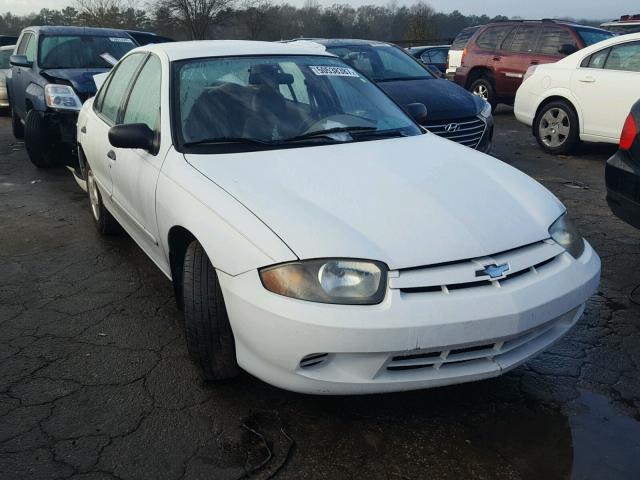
19,61
133,135
567,49
418,112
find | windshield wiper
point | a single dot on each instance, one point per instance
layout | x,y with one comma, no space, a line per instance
244,140
328,132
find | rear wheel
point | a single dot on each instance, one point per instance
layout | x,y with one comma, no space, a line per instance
16,125
556,128
39,141
104,221
208,332
483,88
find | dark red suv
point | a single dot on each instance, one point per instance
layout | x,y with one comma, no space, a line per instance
499,54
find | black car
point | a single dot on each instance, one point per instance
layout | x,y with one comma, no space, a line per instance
622,173
7,40
433,56
51,76
452,112
147,38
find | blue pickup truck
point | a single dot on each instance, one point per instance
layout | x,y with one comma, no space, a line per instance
51,76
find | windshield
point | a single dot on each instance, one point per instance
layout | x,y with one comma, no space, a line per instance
4,59
381,62
277,102
81,51
592,35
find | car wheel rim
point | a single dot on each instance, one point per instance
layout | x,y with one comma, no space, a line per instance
481,91
93,195
554,127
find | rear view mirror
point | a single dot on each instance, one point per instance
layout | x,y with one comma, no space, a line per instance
133,135
19,61
418,112
567,49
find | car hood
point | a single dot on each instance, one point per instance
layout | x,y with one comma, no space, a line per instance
408,202
80,78
444,99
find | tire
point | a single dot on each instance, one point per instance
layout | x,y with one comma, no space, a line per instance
16,125
39,142
207,329
103,220
483,87
556,128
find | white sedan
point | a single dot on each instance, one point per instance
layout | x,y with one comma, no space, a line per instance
315,235
585,96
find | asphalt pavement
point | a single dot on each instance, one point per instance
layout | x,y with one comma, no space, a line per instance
96,383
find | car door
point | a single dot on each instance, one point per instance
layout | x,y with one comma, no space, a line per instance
94,134
135,171
606,86
20,76
515,58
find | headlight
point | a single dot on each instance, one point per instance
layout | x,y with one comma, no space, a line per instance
61,97
341,281
486,110
565,233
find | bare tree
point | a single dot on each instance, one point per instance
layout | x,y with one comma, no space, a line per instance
197,16
422,25
98,13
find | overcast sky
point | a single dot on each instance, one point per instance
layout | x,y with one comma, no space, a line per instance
595,9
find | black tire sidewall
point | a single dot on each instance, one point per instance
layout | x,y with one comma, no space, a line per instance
491,90
572,140
38,140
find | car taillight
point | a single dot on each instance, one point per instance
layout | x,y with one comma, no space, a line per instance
629,133
464,54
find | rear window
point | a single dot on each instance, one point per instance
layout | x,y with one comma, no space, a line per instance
463,37
552,38
4,58
492,37
591,36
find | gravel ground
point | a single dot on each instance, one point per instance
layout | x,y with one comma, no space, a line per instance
95,381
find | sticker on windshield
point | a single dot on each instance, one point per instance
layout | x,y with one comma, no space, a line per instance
334,71
120,40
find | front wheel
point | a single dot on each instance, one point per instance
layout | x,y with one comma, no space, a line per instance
207,329
483,88
556,128
39,141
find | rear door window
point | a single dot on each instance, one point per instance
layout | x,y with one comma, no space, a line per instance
552,38
523,40
625,57
462,39
118,85
492,37
596,60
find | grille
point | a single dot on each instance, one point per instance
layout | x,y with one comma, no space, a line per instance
522,262
468,132
470,355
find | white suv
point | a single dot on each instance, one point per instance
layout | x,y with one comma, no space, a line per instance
315,235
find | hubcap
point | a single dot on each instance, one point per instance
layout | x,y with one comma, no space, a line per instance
554,127
93,195
481,91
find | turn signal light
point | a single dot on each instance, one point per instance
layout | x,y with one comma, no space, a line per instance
629,133
464,54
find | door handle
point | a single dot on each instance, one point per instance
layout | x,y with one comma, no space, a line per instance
83,129
535,62
588,79
497,59
112,155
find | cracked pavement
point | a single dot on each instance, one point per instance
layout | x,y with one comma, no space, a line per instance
96,383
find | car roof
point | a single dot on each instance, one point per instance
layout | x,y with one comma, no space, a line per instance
65,30
223,48
339,42
429,46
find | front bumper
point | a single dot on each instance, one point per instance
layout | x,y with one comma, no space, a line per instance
622,176
279,339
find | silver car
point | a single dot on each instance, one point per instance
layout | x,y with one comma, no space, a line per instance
5,53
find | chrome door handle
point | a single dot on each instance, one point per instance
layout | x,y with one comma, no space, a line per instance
587,79
112,155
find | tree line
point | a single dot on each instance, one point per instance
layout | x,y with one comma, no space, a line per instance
258,20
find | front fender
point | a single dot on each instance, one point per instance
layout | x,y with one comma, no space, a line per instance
235,240
561,93
34,94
